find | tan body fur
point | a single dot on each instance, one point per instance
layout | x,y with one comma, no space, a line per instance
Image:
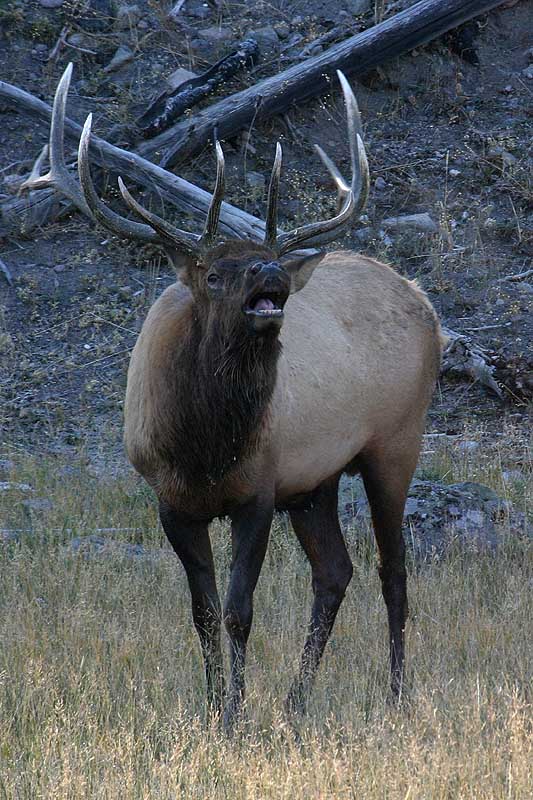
361,353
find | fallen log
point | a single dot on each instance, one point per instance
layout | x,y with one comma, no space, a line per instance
187,197
410,28
169,105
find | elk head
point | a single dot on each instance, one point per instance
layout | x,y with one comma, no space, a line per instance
243,282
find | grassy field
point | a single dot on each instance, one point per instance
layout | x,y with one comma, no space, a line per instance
101,683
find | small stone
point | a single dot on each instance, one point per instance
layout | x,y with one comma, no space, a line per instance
38,504
498,154
59,268
513,476
122,56
385,238
411,222
256,181
454,173
267,39
127,17
6,466
7,486
528,72
282,29
363,235
77,39
359,6
200,11
180,76
216,35
380,184
468,446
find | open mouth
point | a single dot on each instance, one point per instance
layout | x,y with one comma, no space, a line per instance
266,304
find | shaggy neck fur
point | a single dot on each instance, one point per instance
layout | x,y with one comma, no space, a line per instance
225,378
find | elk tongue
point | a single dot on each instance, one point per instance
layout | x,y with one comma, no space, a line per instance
264,304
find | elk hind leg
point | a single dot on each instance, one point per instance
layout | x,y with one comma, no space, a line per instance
387,472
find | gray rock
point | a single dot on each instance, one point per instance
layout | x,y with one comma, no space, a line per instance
439,517
94,546
8,486
283,29
6,466
180,76
513,476
256,181
380,184
501,156
122,56
82,40
216,35
197,11
422,223
127,17
267,39
468,446
7,536
358,6
38,504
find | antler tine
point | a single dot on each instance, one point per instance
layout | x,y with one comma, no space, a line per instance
340,183
213,213
351,198
360,173
122,226
35,175
174,236
320,232
271,227
58,177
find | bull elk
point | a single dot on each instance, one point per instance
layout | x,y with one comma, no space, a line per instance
259,377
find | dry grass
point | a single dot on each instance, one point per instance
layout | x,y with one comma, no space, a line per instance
101,685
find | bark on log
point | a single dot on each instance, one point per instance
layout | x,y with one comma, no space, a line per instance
358,54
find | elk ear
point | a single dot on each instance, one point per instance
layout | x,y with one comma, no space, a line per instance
183,263
301,267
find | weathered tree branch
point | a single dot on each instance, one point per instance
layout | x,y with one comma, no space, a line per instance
358,54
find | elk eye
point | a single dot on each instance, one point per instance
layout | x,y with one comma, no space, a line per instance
212,279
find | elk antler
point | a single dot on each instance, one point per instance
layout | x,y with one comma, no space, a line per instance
351,199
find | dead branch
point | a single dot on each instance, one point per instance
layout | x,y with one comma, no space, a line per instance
411,28
170,105
463,357
520,276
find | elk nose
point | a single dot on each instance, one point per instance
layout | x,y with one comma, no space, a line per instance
266,269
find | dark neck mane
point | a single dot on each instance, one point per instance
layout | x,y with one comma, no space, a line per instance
224,384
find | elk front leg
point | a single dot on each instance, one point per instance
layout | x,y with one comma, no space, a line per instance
191,543
316,525
250,530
